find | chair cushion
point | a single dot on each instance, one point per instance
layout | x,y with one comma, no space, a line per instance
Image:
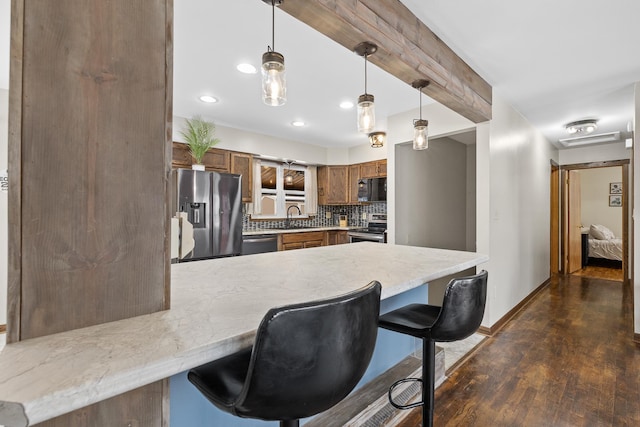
221,381
413,319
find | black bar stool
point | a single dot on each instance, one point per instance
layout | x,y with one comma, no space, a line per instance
305,359
459,317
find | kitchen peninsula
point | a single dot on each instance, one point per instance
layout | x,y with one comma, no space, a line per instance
216,308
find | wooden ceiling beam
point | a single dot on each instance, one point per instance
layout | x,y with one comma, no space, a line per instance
407,48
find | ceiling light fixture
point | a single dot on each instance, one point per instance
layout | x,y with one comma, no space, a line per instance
208,99
590,139
346,105
246,68
298,123
376,139
420,126
366,108
581,127
274,88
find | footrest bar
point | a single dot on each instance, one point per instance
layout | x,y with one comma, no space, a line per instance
396,384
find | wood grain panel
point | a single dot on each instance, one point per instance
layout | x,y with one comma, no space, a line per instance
135,408
94,168
89,154
407,49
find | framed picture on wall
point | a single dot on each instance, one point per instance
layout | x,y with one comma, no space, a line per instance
615,200
615,188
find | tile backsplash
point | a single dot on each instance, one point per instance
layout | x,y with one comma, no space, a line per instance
354,215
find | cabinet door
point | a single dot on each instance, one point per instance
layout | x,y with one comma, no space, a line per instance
382,168
313,243
369,170
292,245
343,237
242,164
338,190
181,157
354,178
216,160
333,185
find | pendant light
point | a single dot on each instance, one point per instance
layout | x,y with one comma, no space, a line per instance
420,126
288,179
274,88
376,139
366,111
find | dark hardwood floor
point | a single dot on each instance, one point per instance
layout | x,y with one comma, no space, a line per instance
566,359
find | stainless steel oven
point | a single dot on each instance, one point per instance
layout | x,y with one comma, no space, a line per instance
375,231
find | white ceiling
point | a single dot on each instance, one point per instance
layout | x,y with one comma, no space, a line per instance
554,61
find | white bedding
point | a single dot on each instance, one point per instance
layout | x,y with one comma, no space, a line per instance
608,249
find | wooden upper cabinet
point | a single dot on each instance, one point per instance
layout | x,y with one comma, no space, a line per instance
214,160
219,161
242,164
354,179
375,169
333,185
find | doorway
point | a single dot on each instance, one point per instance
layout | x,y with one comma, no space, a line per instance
595,198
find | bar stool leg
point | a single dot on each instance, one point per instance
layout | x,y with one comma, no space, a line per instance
428,380
290,423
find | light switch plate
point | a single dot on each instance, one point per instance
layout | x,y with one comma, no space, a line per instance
364,215
327,215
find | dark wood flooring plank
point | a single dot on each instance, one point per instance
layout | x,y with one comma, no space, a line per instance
567,359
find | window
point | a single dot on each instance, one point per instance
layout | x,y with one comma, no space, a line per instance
282,186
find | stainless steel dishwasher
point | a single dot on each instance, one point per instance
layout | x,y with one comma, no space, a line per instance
260,243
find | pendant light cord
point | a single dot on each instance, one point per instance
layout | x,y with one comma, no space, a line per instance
420,102
272,48
365,73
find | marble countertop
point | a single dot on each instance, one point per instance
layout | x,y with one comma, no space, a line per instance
262,231
216,308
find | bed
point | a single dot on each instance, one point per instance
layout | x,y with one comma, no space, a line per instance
603,243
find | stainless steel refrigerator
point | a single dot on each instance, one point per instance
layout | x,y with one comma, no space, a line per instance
213,203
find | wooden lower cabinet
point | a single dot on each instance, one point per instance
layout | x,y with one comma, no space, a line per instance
307,239
337,237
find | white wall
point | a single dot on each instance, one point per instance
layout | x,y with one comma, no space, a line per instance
250,142
636,222
255,143
442,122
594,196
518,212
431,195
594,153
4,135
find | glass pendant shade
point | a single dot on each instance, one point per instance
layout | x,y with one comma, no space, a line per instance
421,135
366,113
274,88
376,139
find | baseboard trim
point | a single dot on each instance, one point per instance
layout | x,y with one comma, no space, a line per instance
3,329
490,331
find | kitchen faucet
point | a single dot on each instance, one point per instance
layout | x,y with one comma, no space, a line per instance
287,223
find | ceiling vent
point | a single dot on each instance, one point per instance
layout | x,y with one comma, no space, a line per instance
590,139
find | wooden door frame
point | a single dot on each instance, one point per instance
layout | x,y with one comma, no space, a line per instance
554,238
625,209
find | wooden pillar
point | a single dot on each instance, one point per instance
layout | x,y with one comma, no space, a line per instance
89,158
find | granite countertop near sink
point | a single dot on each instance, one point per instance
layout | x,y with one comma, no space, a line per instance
262,231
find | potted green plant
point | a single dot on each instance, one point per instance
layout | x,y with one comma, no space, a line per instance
199,134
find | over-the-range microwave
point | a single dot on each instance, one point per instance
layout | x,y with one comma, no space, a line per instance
372,190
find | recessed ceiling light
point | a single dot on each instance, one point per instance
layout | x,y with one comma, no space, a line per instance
346,105
298,123
208,99
246,68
